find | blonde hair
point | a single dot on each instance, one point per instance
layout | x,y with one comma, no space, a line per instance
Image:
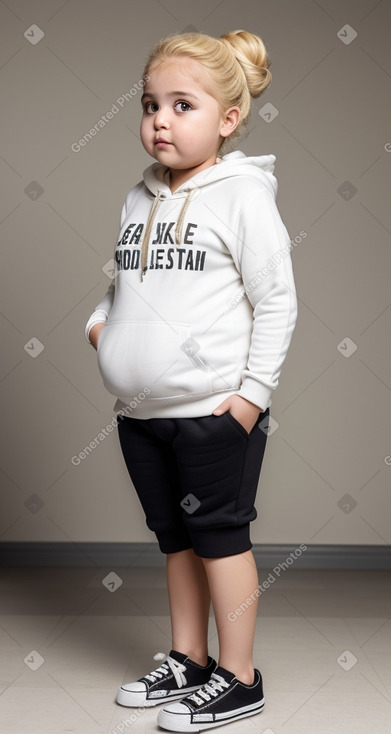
238,66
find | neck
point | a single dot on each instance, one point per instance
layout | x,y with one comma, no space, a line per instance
179,176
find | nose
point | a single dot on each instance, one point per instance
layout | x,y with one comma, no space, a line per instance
161,118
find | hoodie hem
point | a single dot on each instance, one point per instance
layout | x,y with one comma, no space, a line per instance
171,408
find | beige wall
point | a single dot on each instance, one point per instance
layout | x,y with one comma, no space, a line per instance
333,411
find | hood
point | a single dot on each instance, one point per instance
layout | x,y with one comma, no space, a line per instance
157,180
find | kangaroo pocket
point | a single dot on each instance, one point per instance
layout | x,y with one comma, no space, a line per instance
164,357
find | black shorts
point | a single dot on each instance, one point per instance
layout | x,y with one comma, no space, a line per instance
196,479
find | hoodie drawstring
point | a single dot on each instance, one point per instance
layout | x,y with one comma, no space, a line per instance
178,229
144,249
151,215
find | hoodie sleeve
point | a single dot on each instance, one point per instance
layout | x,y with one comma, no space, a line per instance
261,250
102,310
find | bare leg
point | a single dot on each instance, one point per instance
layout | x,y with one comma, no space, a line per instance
232,580
189,598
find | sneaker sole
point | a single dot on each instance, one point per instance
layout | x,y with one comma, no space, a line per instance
170,721
135,699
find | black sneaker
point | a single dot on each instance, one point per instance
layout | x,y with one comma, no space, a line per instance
175,678
222,700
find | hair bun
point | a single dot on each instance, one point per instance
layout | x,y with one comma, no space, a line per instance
250,52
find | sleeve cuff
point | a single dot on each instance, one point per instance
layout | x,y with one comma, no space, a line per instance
256,392
98,317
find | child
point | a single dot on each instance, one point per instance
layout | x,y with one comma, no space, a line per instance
190,337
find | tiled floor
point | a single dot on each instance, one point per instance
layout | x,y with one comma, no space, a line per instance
323,645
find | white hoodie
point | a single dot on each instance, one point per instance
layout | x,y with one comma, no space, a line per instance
203,302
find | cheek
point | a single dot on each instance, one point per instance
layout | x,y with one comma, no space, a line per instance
144,124
205,122
197,130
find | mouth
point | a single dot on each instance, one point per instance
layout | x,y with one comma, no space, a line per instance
161,142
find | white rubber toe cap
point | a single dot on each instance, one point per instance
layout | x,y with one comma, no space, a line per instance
176,708
136,687
132,694
176,717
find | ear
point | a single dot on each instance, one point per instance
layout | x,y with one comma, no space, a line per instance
230,121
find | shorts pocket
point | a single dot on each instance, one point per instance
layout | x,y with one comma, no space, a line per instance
236,423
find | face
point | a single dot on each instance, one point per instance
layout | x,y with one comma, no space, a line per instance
178,110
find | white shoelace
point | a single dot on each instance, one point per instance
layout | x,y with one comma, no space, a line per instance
170,664
216,685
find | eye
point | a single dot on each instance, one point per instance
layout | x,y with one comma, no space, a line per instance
148,105
183,103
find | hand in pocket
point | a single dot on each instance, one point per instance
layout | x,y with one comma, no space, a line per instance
241,410
95,334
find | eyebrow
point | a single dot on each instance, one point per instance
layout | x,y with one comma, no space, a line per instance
169,94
